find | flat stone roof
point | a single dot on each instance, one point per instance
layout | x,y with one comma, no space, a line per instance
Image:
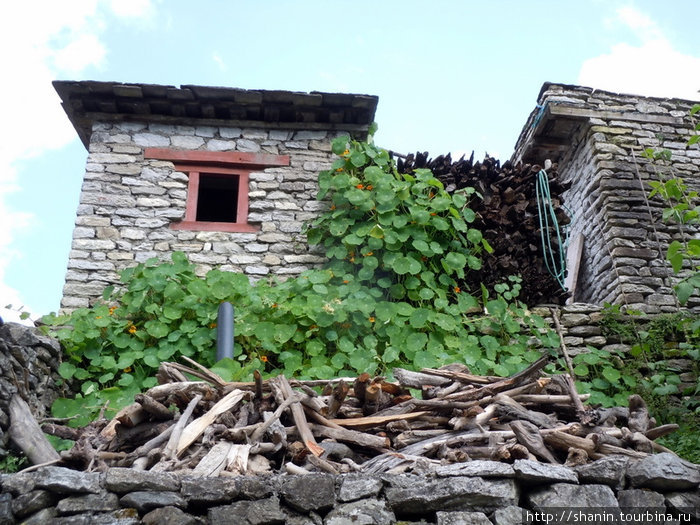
86,102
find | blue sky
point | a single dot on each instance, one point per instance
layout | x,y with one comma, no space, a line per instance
451,76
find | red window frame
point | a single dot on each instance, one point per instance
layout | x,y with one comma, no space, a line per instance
234,163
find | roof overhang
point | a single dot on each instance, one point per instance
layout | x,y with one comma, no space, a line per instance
552,128
87,102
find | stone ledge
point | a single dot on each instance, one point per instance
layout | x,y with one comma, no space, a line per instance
449,494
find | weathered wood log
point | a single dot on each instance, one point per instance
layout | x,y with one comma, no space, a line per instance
184,389
298,415
25,432
373,421
564,441
61,431
347,435
270,419
195,429
547,399
510,410
639,419
156,409
463,377
337,397
529,436
417,380
576,457
170,449
663,430
583,415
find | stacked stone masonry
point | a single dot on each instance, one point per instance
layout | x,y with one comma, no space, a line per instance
598,138
28,368
128,202
476,492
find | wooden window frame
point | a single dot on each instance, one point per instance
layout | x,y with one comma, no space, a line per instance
233,163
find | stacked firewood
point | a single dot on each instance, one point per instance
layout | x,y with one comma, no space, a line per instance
508,217
209,427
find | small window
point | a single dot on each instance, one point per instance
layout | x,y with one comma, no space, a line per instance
217,200
217,191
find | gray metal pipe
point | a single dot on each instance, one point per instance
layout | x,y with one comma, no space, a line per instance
224,331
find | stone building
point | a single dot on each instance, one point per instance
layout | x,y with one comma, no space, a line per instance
164,164
163,159
598,138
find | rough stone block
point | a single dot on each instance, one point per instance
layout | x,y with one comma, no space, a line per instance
168,516
146,500
66,481
306,493
366,511
665,472
565,495
214,491
103,502
266,511
151,140
609,470
634,499
121,480
455,493
481,468
31,502
534,472
355,486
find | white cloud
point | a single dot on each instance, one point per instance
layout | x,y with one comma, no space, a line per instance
86,50
132,8
652,67
65,39
219,61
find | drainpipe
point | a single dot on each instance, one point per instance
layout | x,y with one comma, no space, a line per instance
224,331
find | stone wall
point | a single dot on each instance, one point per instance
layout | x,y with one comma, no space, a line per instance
127,204
477,492
598,137
28,367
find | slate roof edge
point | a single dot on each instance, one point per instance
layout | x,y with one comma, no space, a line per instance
86,102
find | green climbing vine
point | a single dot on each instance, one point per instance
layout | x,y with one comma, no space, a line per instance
388,296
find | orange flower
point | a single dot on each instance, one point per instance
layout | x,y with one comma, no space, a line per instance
346,281
263,358
212,325
332,207
371,319
433,214
274,305
132,329
369,187
98,317
346,152
339,169
360,186
112,309
368,254
457,290
127,369
313,327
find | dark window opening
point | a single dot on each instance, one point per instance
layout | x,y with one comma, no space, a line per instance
217,199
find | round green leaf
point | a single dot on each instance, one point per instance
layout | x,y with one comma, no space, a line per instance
66,370
455,260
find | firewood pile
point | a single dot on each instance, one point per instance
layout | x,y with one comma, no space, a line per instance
209,427
507,216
